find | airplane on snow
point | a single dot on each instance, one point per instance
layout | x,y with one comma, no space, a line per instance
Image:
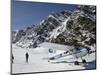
74,53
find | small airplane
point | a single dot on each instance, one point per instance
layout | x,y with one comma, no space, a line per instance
74,53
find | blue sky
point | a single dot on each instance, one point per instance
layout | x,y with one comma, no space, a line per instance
25,14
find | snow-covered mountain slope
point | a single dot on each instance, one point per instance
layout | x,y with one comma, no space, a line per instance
41,33
17,35
76,28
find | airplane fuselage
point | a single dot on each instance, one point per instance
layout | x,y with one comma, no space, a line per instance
74,53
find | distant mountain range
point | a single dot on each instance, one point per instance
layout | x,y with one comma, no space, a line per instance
76,29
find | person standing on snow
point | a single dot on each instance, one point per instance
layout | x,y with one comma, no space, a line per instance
27,57
12,59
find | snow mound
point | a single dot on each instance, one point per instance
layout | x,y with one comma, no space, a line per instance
41,50
55,46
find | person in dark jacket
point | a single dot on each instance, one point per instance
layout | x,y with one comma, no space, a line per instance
27,57
12,59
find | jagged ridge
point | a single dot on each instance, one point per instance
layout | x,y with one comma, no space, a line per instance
76,28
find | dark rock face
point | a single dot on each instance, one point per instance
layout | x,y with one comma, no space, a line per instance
81,28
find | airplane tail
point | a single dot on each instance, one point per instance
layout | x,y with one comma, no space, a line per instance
51,52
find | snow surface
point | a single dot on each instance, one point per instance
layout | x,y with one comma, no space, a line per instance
38,63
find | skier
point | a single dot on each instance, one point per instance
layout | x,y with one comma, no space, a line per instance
27,56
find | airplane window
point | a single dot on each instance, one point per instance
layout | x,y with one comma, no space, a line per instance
60,54
66,52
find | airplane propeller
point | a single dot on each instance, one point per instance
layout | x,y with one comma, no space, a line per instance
89,51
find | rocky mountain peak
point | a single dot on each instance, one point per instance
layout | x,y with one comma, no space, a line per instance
76,28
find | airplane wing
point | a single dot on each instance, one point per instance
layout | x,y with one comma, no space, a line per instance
60,55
